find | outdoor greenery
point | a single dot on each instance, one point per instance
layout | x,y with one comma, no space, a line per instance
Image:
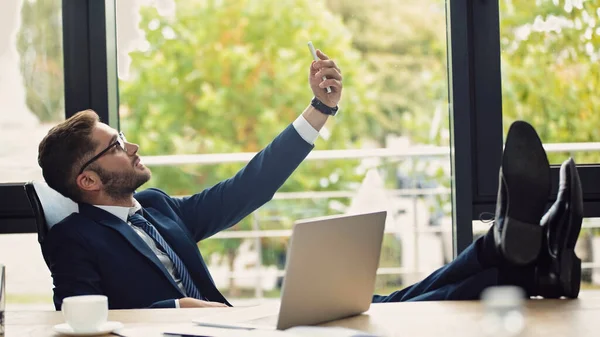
39,43
227,76
551,69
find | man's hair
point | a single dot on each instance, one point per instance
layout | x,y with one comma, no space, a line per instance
64,149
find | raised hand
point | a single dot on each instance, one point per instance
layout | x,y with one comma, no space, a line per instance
325,67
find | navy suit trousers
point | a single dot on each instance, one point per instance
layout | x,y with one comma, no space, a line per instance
462,279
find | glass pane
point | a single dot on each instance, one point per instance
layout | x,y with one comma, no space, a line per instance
551,73
225,77
32,96
588,250
31,85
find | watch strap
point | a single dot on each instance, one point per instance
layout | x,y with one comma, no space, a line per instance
317,104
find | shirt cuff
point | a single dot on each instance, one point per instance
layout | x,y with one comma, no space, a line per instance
177,303
305,130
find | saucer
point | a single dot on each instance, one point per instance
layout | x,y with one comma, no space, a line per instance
105,328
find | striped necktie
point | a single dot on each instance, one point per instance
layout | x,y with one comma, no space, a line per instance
186,280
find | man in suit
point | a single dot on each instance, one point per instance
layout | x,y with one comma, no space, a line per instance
139,249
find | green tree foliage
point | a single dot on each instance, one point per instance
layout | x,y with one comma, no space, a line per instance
404,45
228,76
551,69
39,43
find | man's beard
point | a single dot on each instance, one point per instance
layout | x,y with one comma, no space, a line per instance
121,185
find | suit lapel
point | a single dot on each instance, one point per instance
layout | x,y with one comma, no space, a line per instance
107,219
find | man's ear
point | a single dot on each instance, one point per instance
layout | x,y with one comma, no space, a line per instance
89,181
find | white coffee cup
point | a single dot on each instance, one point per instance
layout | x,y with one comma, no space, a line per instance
86,312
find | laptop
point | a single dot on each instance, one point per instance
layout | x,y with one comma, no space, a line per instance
330,270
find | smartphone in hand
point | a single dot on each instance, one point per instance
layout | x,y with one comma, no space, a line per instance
313,51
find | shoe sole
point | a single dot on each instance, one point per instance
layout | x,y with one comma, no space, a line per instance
570,264
570,274
526,171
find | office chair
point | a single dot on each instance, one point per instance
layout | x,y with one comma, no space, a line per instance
21,210
38,212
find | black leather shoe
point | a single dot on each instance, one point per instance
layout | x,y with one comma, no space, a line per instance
523,192
558,270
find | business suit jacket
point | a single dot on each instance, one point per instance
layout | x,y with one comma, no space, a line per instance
95,252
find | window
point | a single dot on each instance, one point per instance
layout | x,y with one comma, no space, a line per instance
527,28
32,92
550,73
225,77
32,96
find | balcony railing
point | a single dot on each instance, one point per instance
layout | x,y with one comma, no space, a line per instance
412,152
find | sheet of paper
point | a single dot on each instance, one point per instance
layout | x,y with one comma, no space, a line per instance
318,331
196,330
222,332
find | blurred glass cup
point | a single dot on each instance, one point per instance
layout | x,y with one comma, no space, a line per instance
503,311
2,299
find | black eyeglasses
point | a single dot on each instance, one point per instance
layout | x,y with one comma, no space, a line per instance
120,142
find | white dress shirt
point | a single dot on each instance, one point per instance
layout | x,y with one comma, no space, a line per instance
304,129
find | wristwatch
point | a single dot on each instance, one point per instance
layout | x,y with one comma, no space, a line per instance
324,108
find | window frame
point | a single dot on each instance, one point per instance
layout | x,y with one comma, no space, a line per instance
475,95
487,142
90,58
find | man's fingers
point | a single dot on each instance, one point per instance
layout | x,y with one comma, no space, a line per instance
329,73
331,83
322,55
215,304
188,302
325,64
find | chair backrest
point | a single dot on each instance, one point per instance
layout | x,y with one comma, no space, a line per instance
38,212
56,206
21,210
32,207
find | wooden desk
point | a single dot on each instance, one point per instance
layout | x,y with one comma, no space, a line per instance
546,318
